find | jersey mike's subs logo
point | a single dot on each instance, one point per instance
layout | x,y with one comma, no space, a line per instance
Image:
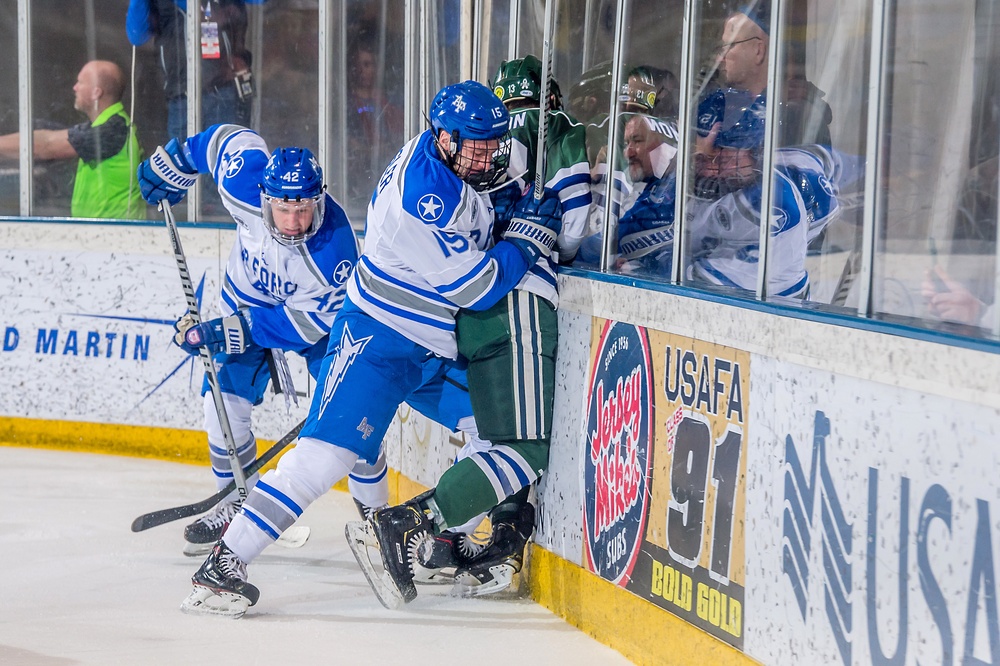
618,449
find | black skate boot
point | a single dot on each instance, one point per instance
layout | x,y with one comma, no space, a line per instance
220,586
400,531
202,534
493,569
438,557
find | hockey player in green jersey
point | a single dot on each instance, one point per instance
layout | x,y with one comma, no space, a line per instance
511,346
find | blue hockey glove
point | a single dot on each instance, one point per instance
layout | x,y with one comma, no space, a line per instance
167,174
535,225
504,201
225,334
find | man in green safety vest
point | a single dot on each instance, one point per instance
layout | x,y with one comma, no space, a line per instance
106,147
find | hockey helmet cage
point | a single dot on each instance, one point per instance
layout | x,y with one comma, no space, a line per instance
469,111
739,142
293,184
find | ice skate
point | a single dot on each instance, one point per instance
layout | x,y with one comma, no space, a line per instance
492,570
439,557
396,533
202,534
220,586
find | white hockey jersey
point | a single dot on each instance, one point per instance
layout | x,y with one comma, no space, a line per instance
289,294
428,250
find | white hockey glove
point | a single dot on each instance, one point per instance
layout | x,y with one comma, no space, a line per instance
535,225
230,335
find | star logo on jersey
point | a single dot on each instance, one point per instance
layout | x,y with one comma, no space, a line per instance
430,207
365,429
342,272
234,166
347,352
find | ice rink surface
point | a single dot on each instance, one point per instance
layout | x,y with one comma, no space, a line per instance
78,587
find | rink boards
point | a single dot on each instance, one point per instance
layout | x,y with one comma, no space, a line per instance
725,483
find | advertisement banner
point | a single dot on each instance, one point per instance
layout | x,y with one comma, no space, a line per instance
876,514
665,472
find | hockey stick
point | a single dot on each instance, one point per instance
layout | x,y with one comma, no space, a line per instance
543,103
156,518
206,355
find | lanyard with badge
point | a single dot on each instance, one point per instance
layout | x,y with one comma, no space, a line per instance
209,34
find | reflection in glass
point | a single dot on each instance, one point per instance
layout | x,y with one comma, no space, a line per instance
637,206
936,247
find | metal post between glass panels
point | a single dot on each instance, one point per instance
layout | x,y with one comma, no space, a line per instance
609,242
683,139
26,158
874,154
193,29
775,58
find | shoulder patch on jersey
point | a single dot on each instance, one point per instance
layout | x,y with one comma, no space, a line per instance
233,166
722,218
430,191
430,207
342,272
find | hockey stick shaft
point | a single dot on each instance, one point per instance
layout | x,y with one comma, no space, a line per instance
163,516
206,355
543,103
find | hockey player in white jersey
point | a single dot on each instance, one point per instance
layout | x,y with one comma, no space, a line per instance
428,253
285,281
724,213
511,346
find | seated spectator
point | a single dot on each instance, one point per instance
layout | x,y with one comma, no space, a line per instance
105,145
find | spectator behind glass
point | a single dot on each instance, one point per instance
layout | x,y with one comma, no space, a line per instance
645,229
226,80
804,117
374,123
106,146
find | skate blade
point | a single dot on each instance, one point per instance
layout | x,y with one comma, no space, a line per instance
294,537
362,542
196,549
203,601
425,576
467,585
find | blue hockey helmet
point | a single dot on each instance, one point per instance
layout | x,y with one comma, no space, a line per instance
476,120
292,189
735,161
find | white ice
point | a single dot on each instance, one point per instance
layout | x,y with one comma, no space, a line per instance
78,587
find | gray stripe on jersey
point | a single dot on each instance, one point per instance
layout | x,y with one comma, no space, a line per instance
742,205
232,202
311,265
405,299
473,290
306,326
215,143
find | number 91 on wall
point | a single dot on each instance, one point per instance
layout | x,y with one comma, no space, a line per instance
665,472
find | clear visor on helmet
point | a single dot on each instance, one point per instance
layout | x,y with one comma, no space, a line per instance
482,163
292,221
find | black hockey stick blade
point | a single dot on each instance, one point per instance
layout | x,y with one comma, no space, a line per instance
156,518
